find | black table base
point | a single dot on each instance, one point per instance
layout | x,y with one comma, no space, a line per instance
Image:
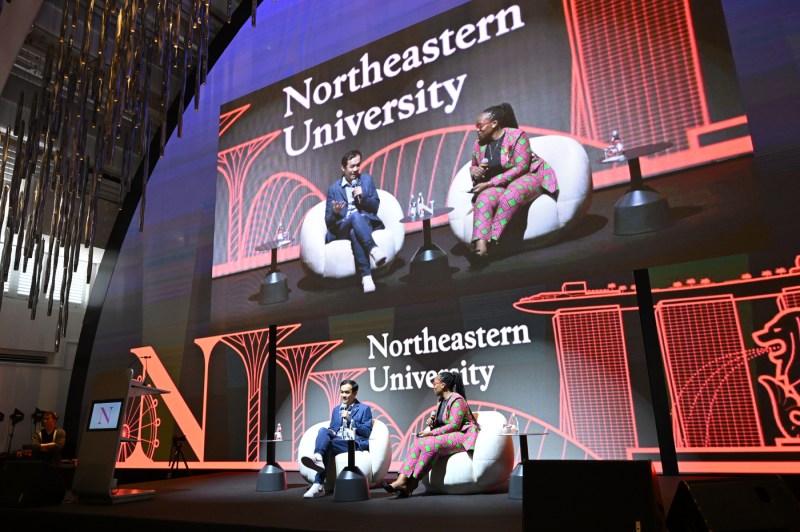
429,264
271,478
274,288
351,483
641,211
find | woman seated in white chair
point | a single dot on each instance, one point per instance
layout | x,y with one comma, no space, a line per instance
451,429
506,175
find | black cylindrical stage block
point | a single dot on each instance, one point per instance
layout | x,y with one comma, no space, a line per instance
747,503
596,495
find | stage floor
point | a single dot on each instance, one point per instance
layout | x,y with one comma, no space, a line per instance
229,501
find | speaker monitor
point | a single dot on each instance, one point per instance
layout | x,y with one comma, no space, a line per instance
606,495
30,483
762,503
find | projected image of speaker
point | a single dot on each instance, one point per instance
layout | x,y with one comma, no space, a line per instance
30,483
763,503
600,496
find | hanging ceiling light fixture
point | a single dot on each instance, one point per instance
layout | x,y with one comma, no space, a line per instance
94,99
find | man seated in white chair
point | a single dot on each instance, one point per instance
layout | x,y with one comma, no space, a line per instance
349,420
351,212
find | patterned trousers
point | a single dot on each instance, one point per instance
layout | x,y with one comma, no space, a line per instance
425,451
496,206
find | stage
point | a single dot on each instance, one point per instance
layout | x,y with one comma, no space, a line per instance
229,501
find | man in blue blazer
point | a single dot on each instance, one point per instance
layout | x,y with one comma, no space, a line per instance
349,420
351,212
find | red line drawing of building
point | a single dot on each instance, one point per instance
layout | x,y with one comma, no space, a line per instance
707,371
715,407
597,412
635,68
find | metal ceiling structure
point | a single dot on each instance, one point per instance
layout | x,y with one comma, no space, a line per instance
85,112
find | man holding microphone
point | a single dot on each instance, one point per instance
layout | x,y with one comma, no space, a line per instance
349,420
351,212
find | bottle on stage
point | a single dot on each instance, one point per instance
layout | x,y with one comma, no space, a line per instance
280,235
511,425
615,151
412,207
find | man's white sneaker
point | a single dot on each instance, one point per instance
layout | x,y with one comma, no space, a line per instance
316,490
368,283
378,257
314,463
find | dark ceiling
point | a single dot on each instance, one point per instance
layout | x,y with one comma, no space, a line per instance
26,76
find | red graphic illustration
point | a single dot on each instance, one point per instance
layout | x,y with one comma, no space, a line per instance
226,120
781,337
715,404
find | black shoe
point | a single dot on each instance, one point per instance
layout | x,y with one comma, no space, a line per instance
388,487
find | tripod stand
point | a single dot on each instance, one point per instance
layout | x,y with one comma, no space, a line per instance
11,437
176,455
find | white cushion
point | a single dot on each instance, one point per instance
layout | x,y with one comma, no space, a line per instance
335,259
547,214
486,469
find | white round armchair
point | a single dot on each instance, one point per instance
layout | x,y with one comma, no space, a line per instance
373,463
335,259
548,214
485,470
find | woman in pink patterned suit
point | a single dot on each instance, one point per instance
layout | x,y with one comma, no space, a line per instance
451,429
506,175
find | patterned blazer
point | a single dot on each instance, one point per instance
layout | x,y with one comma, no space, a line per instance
518,159
458,418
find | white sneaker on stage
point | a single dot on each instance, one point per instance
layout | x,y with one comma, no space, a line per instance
378,256
314,463
316,490
368,283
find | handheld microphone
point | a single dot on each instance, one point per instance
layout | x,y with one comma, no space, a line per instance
484,163
357,183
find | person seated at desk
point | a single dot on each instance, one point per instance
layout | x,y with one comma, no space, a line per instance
349,420
506,175
351,213
49,442
451,429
